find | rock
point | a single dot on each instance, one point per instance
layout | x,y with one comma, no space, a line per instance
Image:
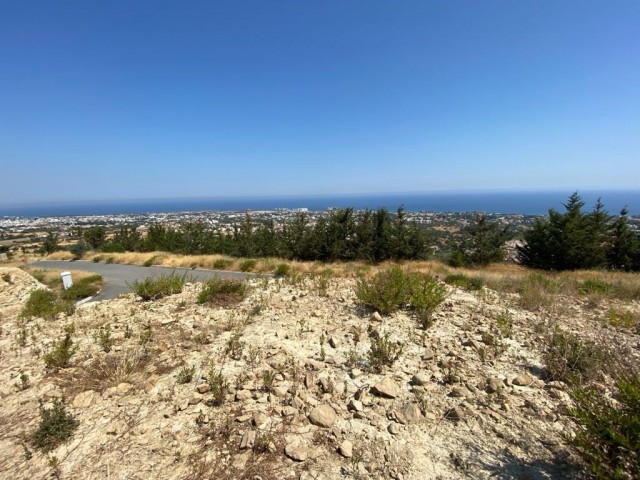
195,398
420,379
387,388
296,452
394,429
323,416
459,412
428,354
243,395
355,405
522,380
240,461
333,343
494,385
309,379
460,392
346,449
248,440
85,399
280,391
260,419
410,413
203,388
375,317
124,388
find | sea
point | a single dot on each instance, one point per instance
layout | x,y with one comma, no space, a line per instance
501,202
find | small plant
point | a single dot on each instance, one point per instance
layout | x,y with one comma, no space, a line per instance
45,304
23,384
353,359
383,352
110,260
97,259
248,265
149,261
221,264
283,269
56,426
425,294
323,354
386,292
593,286
570,359
61,354
504,322
185,375
620,319
103,338
79,290
321,283
268,380
201,338
128,333
234,346
21,337
154,288
464,282
145,337
222,292
218,386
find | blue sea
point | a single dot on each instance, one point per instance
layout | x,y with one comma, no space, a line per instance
522,202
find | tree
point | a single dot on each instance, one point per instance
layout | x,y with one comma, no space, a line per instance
95,236
623,246
50,243
484,241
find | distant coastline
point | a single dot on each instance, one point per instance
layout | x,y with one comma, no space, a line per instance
526,203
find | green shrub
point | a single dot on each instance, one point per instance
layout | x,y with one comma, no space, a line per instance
221,264
620,319
456,259
103,338
112,247
386,292
504,321
283,269
222,292
149,261
56,426
61,354
78,291
185,375
110,260
383,352
45,304
464,282
594,286
608,432
218,386
570,359
248,265
425,294
97,259
154,288
79,249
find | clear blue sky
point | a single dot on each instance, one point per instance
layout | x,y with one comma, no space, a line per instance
149,99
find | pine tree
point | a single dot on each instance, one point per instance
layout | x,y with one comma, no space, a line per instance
623,244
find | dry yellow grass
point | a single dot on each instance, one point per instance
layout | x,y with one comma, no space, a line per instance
51,276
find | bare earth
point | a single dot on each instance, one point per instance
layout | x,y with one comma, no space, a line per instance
462,401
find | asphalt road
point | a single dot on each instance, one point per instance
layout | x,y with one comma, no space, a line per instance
118,277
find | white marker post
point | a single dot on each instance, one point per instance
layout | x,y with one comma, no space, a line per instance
66,280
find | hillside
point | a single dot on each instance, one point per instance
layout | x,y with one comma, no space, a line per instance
293,395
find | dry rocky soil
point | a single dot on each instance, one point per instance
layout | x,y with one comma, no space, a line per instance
293,396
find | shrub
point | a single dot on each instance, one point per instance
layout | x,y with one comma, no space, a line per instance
110,260
56,426
386,292
383,352
222,292
608,430
248,265
79,290
97,259
535,292
221,264
425,294
218,386
61,354
620,319
283,269
464,282
570,359
185,375
79,249
154,288
149,261
103,338
594,286
45,304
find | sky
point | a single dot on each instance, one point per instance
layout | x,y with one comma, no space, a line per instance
161,99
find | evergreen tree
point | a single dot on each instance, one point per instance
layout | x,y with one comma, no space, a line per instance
484,241
623,248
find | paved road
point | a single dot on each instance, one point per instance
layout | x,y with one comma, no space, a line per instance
117,277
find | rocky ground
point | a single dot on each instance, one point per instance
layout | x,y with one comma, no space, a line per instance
293,392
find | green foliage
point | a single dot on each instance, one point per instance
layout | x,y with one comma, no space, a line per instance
504,322
425,294
61,354
462,281
56,426
95,236
570,359
456,259
79,249
110,260
185,375
79,290
149,261
218,387
482,242
608,431
221,263
383,352
45,304
594,286
248,265
50,243
283,269
386,292
103,338
620,319
222,292
154,288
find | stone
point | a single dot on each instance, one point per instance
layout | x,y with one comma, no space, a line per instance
195,398
522,380
355,405
410,413
296,452
421,379
346,449
309,379
375,317
243,395
323,416
387,388
248,440
240,461
280,391
460,392
203,388
260,419
124,388
394,429
428,354
333,343
494,385
85,399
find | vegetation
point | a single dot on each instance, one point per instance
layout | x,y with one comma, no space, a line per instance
185,375
462,281
103,338
570,359
50,243
83,288
222,292
383,352
481,244
56,426
61,354
45,304
425,294
154,288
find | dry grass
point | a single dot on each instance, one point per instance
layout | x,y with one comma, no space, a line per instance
62,255
51,276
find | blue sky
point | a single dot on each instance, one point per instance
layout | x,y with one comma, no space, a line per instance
156,99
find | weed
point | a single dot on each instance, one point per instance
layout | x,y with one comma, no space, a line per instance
620,319
61,354
110,260
97,259
248,265
425,294
221,264
45,304
268,380
127,332
386,292
594,286
79,290
504,322
23,384
103,338
222,292
56,426
145,337
383,352
464,282
234,346
185,375
283,269
218,386
570,359
21,337
7,278
149,261
154,288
